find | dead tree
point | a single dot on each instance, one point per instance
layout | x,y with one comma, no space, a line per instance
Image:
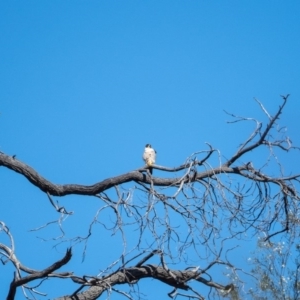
186,218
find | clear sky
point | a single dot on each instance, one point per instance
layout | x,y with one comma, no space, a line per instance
84,85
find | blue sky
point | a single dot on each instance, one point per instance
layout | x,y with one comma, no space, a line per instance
84,85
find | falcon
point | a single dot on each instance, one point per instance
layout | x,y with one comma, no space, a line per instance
149,156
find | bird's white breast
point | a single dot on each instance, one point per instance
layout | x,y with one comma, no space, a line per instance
149,155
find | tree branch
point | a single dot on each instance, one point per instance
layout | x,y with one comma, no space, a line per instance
76,189
37,275
261,140
178,279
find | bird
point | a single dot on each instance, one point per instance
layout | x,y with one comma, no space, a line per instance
149,156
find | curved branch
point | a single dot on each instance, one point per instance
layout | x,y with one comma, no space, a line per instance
37,275
136,176
261,140
174,278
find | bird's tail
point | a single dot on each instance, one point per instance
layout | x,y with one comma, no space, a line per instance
150,163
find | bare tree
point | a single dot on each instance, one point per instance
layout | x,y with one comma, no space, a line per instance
187,225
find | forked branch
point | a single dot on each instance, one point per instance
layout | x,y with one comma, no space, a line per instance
262,134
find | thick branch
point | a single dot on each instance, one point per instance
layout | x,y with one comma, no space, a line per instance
68,189
174,278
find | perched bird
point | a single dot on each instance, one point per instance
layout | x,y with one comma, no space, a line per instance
149,156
